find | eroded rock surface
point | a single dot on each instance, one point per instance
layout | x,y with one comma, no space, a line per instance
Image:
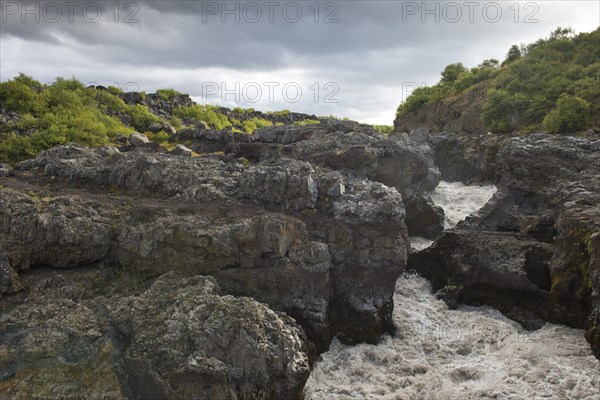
529,251
179,339
319,236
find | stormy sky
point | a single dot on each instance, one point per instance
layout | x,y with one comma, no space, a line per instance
355,59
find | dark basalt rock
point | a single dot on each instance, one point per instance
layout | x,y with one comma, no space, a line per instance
506,271
323,246
178,339
423,218
529,252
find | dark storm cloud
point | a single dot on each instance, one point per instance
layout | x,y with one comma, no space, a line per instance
370,48
185,37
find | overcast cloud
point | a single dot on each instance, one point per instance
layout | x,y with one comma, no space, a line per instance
349,58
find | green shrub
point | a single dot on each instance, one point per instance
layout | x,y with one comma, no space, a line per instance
19,97
496,109
419,97
281,113
451,73
110,102
255,123
307,122
64,111
176,122
159,137
204,113
168,94
528,85
114,90
571,114
141,118
384,129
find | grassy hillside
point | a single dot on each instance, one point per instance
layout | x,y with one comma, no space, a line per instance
552,84
35,117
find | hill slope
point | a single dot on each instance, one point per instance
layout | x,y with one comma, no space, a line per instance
551,84
35,117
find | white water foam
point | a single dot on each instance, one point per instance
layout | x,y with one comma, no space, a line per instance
468,353
458,202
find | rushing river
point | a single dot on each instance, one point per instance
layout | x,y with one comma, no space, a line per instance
468,353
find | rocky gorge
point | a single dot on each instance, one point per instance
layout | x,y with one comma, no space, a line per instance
221,269
148,266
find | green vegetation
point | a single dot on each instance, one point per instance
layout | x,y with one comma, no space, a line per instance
204,113
65,111
176,122
579,253
553,84
255,123
281,113
384,129
114,90
571,114
168,94
331,116
307,122
141,118
159,137
240,110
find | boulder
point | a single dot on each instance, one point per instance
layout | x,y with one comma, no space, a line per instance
181,150
505,271
185,341
593,333
59,232
156,127
56,347
178,339
423,218
5,170
138,139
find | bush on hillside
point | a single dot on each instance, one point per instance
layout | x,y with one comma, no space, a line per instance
571,115
204,113
168,94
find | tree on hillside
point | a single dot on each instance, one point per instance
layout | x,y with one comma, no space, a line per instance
571,114
489,63
452,72
562,33
514,53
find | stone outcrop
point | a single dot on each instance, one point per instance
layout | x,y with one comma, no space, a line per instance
505,270
466,158
316,240
178,339
182,340
423,218
320,237
156,104
461,113
529,251
593,333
